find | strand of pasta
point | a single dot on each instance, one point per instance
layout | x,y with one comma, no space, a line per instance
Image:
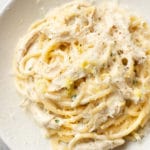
23,62
85,136
50,106
144,112
72,111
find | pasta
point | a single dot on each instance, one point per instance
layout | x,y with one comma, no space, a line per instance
85,73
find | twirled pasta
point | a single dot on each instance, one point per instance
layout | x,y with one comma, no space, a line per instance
85,72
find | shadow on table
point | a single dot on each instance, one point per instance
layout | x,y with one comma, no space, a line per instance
3,146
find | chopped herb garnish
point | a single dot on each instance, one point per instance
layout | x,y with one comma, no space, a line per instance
30,68
112,54
74,96
135,81
57,121
120,52
103,66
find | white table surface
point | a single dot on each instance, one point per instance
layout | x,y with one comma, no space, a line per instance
3,4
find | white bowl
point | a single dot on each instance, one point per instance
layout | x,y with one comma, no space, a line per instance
16,128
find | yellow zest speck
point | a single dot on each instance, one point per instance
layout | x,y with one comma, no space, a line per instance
90,10
96,89
90,46
69,82
133,19
138,93
42,85
147,87
148,51
84,64
104,75
79,48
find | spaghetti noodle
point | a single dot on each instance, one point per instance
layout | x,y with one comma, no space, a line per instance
85,72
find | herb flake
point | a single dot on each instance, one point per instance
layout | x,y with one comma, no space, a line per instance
57,121
74,96
135,81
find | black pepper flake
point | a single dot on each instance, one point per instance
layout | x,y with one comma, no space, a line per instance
124,61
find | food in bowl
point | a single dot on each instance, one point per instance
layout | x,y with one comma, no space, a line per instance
85,73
